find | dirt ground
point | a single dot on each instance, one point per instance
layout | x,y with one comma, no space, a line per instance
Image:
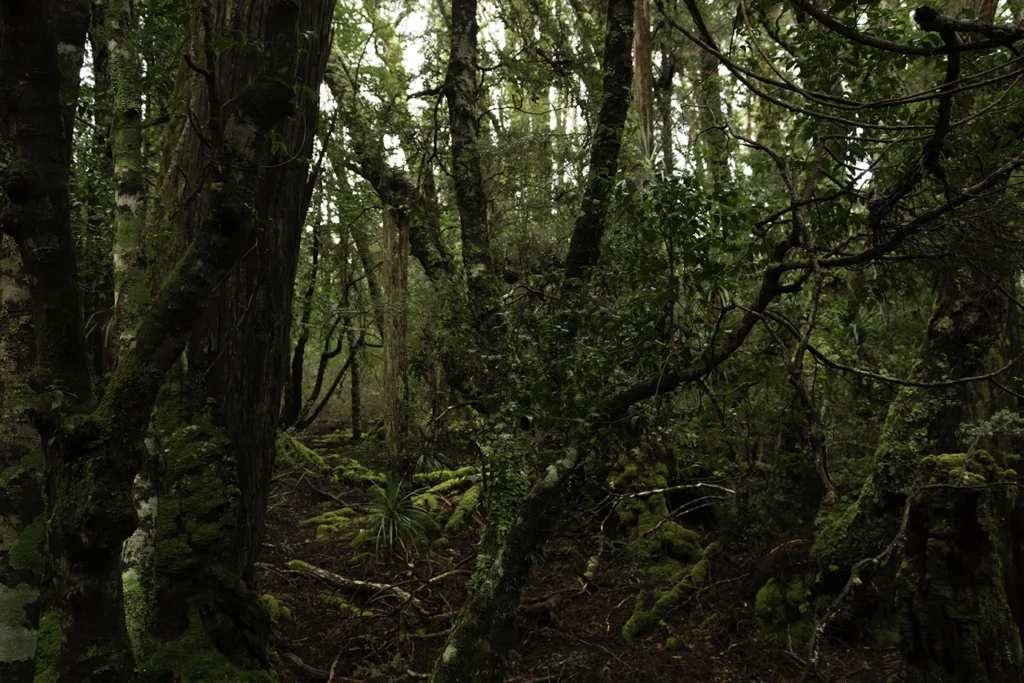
571,628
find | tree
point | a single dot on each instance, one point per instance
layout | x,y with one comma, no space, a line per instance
94,450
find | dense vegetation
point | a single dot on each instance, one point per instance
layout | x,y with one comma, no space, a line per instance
525,340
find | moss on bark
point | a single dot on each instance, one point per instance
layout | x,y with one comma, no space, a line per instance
202,607
957,570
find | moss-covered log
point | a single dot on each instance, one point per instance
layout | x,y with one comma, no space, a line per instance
483,633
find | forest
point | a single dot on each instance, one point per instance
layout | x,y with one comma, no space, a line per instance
511,340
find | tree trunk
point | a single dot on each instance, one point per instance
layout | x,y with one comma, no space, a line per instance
462,90
395,254
94,455
665,91
22,488
124,77
953,588
643,80
355,396
293,387
213,495
711,118
479,641
967,320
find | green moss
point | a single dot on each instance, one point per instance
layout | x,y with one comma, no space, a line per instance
954,583
351,471
138,608
334,522
464,510
780,613
48,649
644,619
293,453
192,658
278,610
438,478
29,550
341,605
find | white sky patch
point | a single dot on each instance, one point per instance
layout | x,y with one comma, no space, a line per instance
396,155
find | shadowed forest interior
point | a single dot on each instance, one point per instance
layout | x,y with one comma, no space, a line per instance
511,340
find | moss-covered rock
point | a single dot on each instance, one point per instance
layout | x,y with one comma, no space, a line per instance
782,620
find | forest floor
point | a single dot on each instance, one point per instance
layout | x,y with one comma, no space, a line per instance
571,628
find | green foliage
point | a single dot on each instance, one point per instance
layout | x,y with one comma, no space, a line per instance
396,521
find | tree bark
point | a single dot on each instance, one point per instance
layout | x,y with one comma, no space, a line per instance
93,457
462,90
643,81
713,139
22,486
395,388
293,387
585,245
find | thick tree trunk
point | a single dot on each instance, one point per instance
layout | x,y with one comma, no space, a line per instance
462,90
967,320
955,584
213,497
22,488
93,458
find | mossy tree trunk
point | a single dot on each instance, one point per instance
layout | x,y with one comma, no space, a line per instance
220,423
953,587
463,93
94,453
395,250
966,322
22,488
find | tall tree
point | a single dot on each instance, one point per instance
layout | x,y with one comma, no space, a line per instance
94,451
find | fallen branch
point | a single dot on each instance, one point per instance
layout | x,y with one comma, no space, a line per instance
355,585
315,674
681,487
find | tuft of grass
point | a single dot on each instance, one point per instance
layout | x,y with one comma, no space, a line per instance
398,523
